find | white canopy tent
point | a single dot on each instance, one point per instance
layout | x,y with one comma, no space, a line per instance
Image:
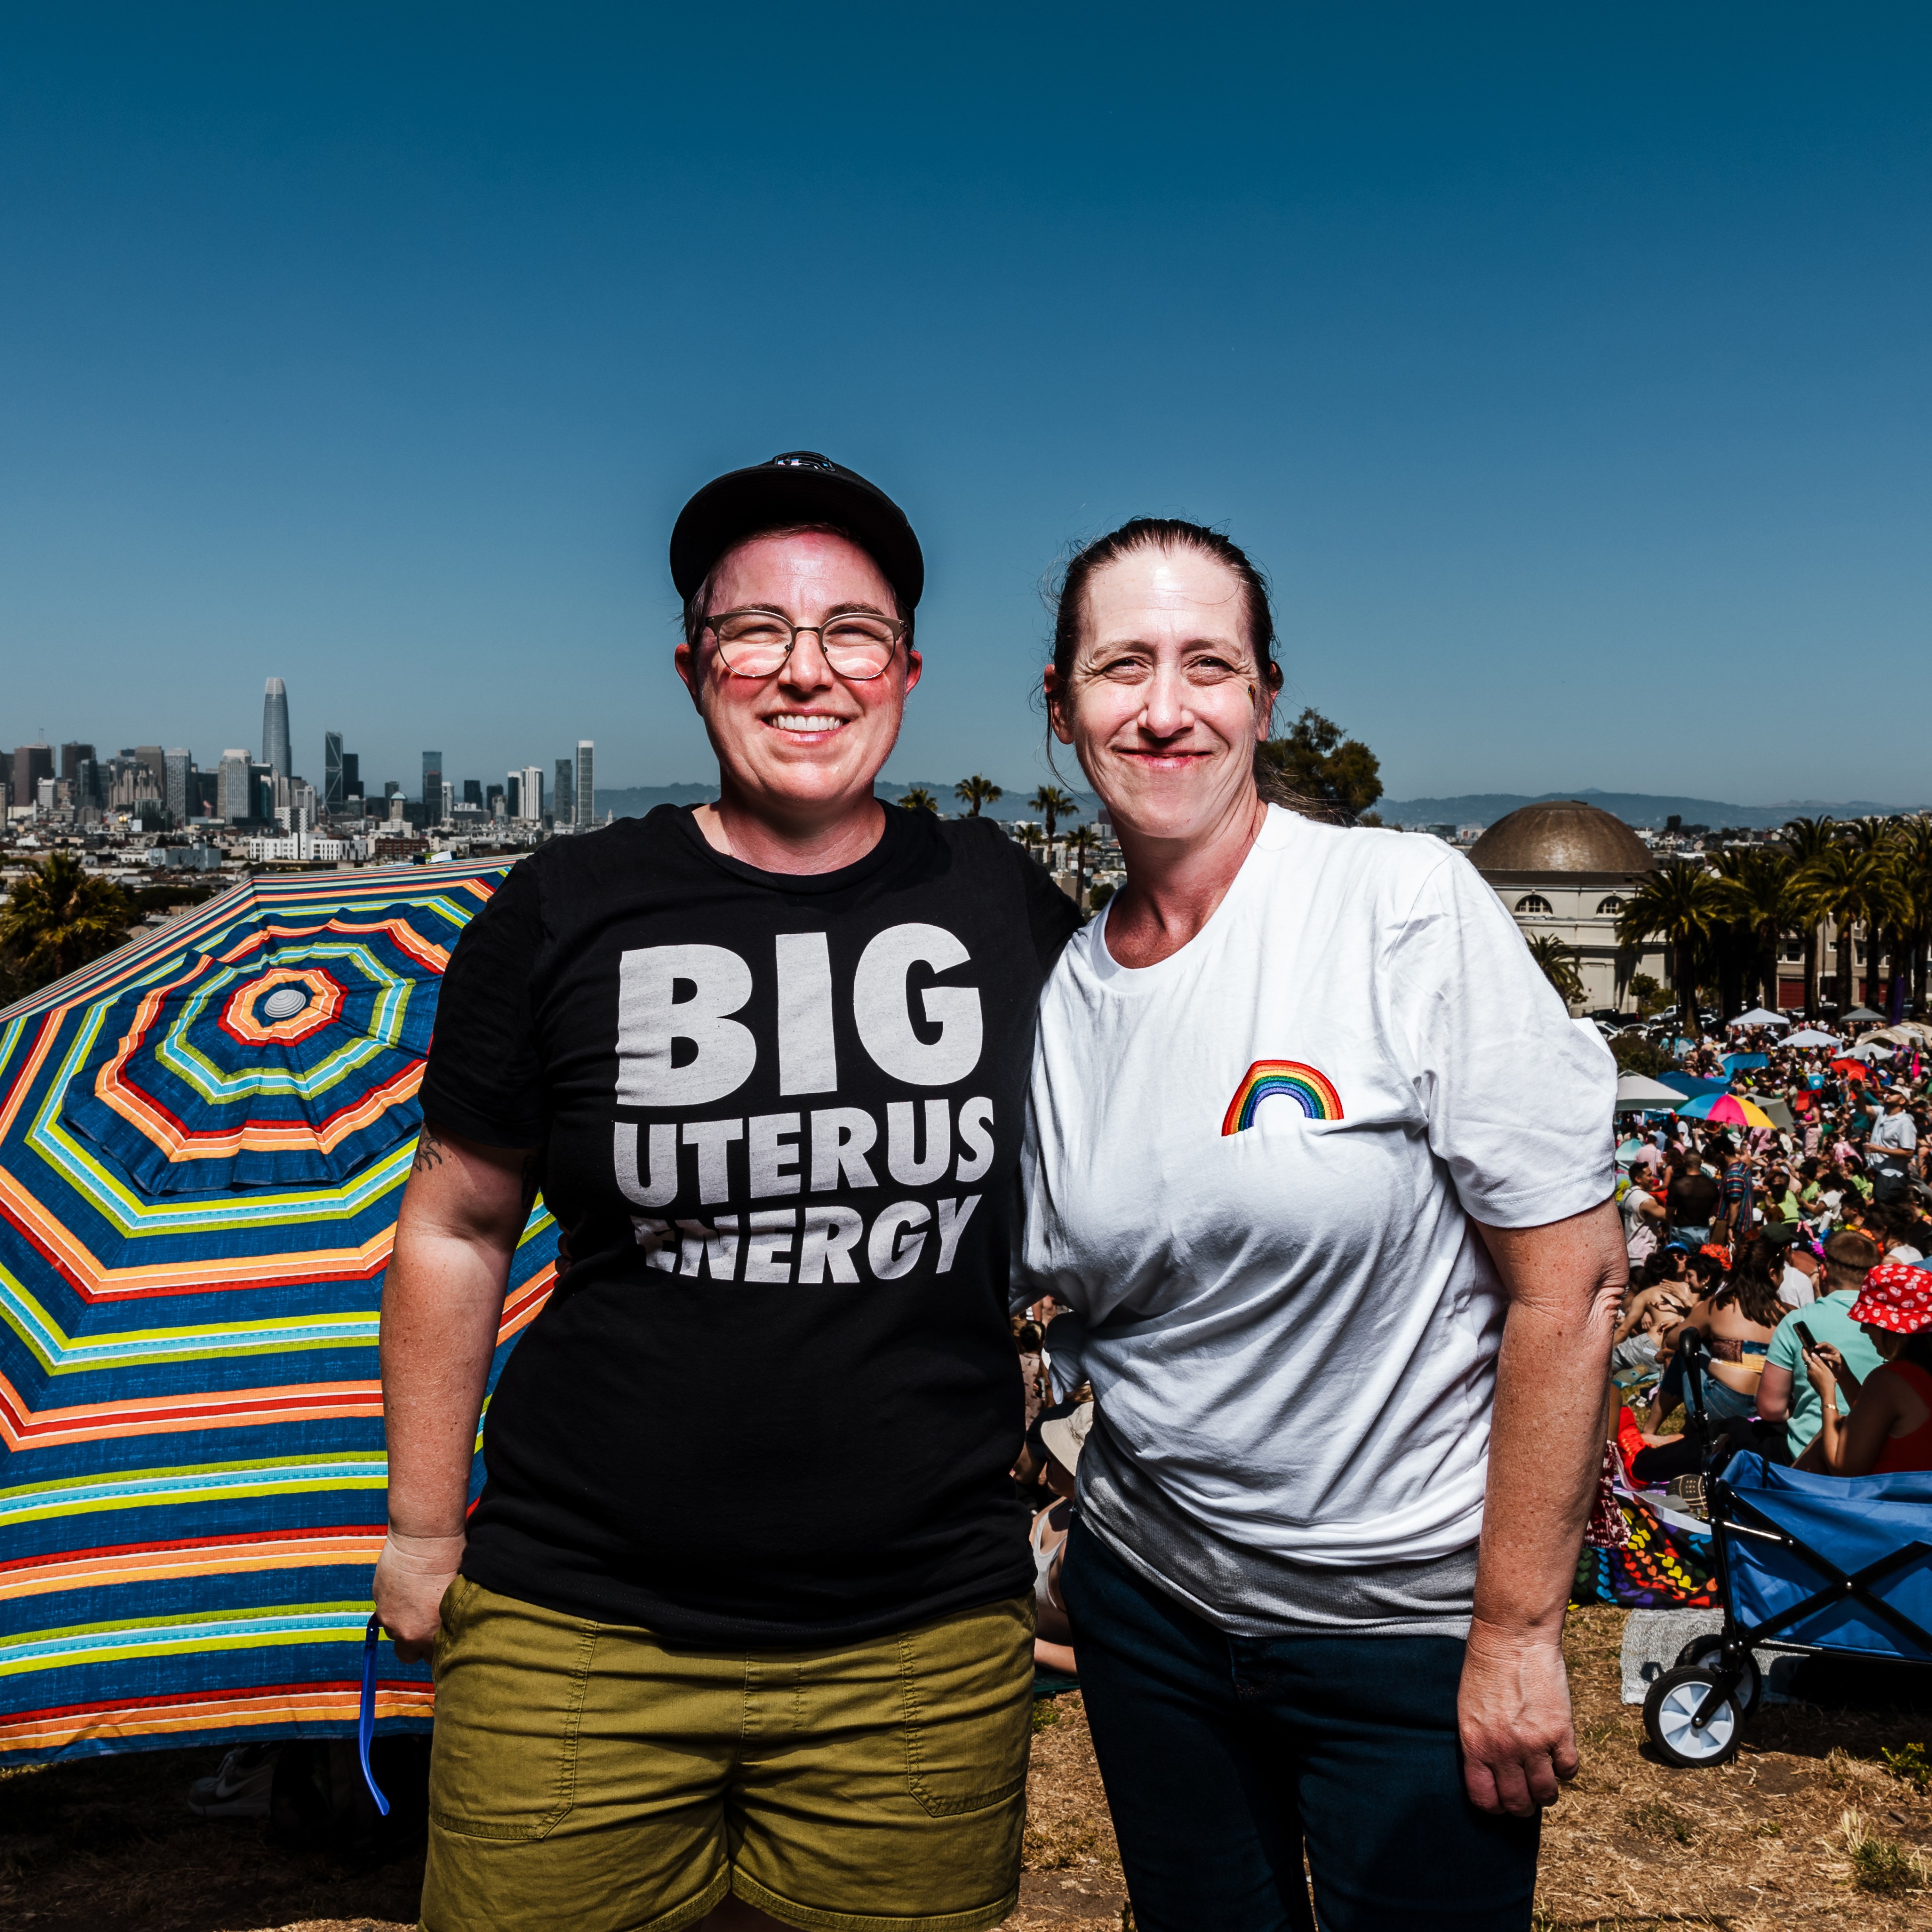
1635,1091
1759,1016
1811,1037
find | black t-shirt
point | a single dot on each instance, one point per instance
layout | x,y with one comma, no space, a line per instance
1694,1198
780,1120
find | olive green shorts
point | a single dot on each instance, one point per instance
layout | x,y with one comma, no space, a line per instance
586,1776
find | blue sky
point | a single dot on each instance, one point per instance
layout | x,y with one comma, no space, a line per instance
1567,368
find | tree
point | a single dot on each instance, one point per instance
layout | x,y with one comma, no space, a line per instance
58,917
976,791
1681,905
1754,883
916,798
1053,805
1080,844
1805,839
1559,967
1848,883
1317,762
1649,995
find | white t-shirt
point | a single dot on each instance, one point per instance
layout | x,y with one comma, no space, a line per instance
1247,1171
1797,1289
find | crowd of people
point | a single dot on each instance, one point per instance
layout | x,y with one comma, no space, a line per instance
1796,1256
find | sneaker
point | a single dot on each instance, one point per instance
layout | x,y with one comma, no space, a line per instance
240,1789
1686,1494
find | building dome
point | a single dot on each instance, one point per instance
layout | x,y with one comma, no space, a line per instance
1560,835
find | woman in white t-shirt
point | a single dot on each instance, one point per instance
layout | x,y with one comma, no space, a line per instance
1320,1163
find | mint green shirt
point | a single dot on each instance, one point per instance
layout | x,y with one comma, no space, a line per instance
1829,1319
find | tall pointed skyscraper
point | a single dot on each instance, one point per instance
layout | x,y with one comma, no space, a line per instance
275,730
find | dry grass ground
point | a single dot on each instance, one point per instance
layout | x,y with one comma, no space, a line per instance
1807,1828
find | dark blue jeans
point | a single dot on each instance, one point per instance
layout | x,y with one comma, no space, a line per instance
1222,1754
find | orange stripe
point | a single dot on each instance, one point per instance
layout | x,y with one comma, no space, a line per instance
22,1428
93,1283
40,1733
147,1566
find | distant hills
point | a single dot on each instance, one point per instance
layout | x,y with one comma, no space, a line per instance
1633,807
1480,808
634,801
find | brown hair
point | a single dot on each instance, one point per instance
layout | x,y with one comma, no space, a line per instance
1849,1257
1068,602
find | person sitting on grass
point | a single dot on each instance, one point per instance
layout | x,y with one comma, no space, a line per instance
1063,1438
1785,1393
1737,1322
1890,1427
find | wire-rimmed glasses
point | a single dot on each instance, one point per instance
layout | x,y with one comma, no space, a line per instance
754,642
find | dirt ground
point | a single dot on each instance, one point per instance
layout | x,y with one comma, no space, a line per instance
1807,1828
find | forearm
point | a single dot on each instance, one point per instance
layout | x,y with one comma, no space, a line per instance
1545,1451
441,1303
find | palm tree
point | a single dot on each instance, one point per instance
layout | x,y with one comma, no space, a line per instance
1914,868
1559,967
1680,905
58,917
1053,805
1805,839
1850,882
976,791
1080,844
1027,833
1755,882
916,798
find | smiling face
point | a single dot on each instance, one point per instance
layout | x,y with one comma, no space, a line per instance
802,742
1165,702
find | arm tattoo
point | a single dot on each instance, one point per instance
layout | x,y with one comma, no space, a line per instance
429,1151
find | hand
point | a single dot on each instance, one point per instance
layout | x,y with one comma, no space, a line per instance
411,1574
1513,1711
1834,1362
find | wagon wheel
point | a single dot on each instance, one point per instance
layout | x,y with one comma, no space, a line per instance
1703,1650
1670,1713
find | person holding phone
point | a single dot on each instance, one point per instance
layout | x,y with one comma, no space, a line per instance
1785,1393
1890,1427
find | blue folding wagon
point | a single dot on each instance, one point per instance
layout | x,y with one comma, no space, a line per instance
1838,1566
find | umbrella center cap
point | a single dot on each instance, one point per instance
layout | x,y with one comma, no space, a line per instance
284,1002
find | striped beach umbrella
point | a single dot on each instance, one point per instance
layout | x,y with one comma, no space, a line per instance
203,1141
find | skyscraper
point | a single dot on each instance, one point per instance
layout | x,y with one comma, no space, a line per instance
331,772
235,798
565,790
32,764
432,782
351,775
532,783
178,788
472,792
513,794
586,799
275,754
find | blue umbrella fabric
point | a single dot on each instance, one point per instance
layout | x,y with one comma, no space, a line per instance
1691,1084
203,1141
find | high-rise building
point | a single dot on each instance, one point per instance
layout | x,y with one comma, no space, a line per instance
566,789
586,794
432,779
155,759
72,756
32,764
236,799
178,786
493,801
532,778
513,794
445,809
351,775
472,791
331,772
275,753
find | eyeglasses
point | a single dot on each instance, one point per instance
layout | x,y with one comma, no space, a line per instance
858,644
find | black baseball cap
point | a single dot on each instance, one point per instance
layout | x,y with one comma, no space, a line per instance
800,487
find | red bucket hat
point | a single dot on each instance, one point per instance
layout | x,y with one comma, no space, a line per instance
1896,1296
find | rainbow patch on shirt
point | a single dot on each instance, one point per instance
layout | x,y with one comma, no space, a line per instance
1310,1089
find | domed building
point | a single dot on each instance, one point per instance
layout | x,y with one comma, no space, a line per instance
1565,869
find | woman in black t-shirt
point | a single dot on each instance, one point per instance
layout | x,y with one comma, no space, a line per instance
1692,1199
766,1060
